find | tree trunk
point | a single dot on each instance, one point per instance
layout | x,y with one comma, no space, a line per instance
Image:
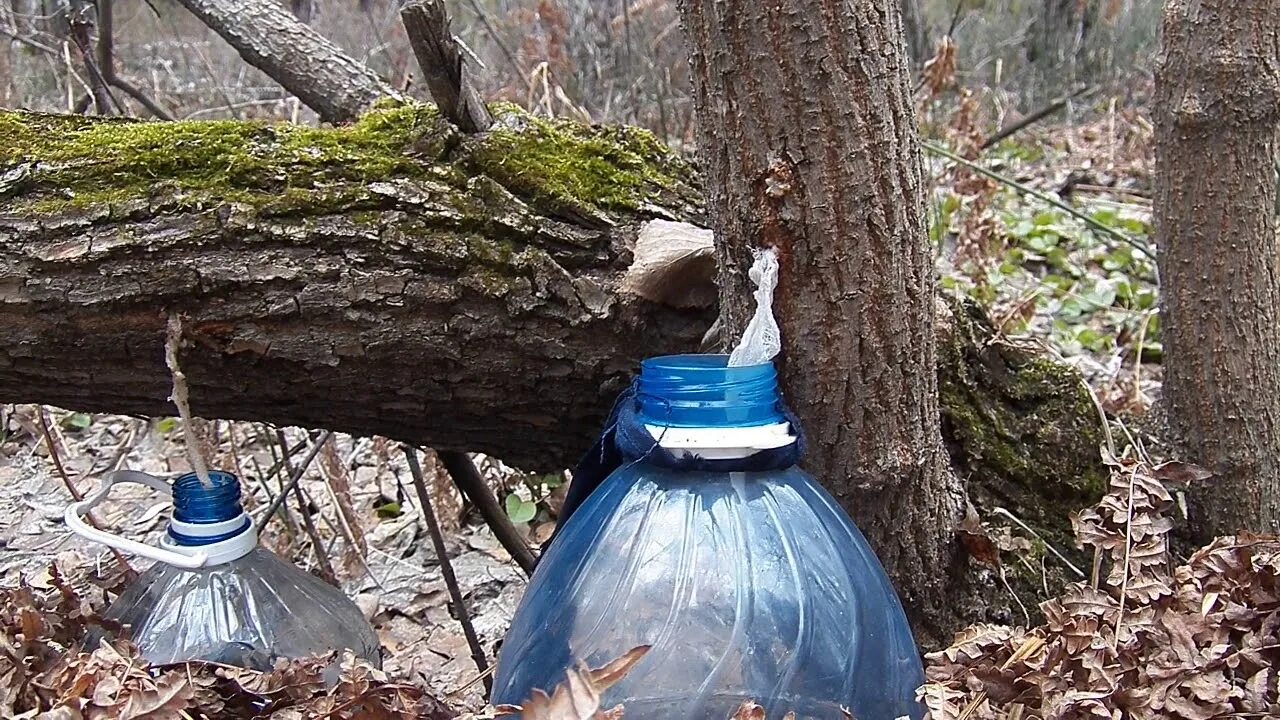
1217,98
462,295
1057,46
307,64
807,131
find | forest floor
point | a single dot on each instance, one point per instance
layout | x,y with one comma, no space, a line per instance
396,580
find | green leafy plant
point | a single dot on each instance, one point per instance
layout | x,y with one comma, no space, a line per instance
519,509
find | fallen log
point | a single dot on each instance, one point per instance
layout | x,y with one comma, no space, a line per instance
389,277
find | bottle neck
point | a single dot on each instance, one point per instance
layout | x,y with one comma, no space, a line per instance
210,519
699,405
702,391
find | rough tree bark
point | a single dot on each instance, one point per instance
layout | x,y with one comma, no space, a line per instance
1217,107
306,63
805,120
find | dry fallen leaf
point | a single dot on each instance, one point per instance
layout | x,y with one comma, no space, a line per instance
56,680
977,541
167,699
578,697
1195,642
1180,474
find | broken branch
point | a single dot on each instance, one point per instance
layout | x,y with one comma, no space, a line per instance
443,66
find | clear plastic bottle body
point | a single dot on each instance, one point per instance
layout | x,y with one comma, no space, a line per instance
248,612
747,585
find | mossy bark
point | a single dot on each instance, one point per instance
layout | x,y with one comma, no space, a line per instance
1020,427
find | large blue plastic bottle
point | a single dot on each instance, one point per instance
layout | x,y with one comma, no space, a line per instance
748,585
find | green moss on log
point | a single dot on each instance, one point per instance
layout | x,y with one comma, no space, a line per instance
84,162
1022,426
62,162
575,168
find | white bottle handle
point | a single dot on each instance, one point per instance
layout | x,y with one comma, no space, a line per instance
74,512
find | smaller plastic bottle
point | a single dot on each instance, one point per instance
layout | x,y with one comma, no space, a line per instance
214,594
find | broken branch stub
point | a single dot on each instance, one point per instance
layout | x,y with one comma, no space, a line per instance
443,66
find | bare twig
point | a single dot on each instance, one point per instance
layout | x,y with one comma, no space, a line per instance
1128,549
483,16
235,452
107,64
116,459
172,341
295,474
446,568
339,485
443,66
1037,116
264,478
291,528
28,42
473,487
76,495
626,33
331,82
475,679
80,24
1036,535
339,488
1030,646
1125,196
326,569
955,18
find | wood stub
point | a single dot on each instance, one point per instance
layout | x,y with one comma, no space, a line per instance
443,67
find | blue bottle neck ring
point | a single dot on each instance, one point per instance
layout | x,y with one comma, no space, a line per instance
207,515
